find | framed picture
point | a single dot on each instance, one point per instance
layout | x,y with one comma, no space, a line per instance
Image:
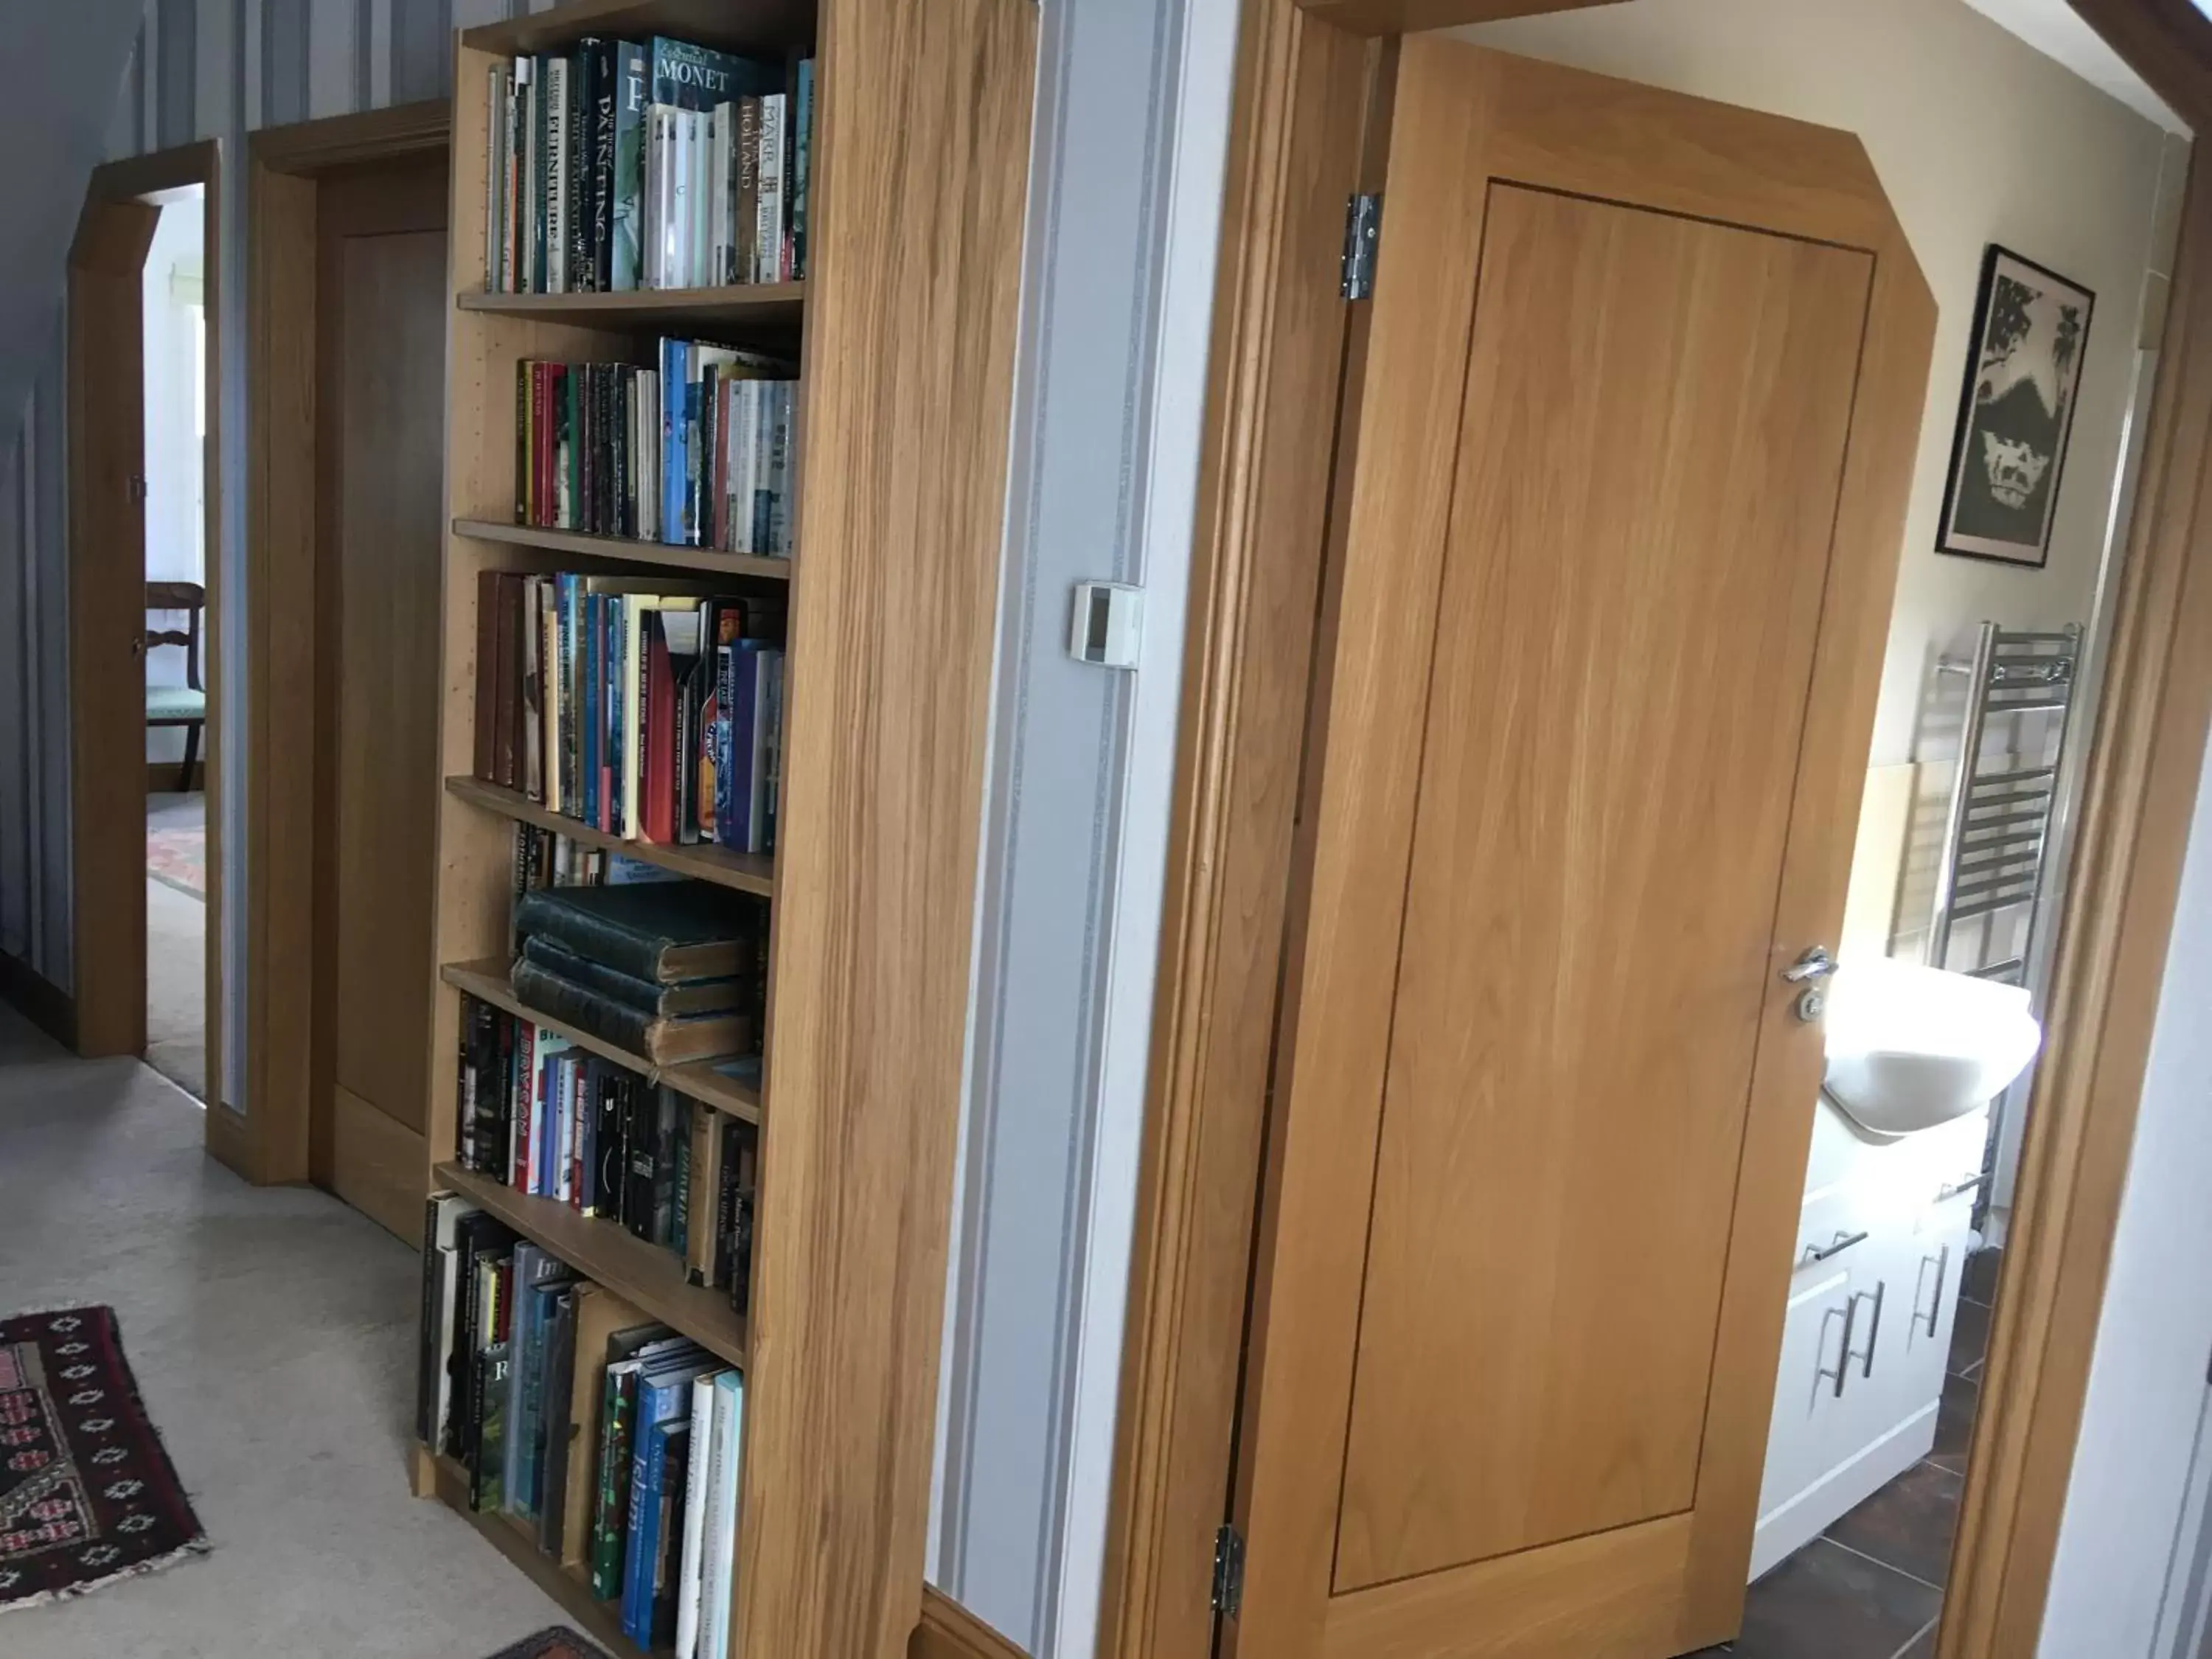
2030,330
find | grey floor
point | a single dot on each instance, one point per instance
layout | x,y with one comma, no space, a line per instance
271,1332
176,960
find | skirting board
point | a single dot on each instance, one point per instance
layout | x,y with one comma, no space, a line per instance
1842,1489
45,1003
949,1631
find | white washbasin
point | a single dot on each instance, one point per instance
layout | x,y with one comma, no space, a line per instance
1910,1048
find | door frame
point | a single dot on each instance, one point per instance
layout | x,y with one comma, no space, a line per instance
283,955
1279,350
107,717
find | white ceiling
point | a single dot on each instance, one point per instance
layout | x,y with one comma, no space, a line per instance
2054,29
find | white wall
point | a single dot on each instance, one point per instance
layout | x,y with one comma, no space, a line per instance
1977,138
1124,213
176,524
2146,1377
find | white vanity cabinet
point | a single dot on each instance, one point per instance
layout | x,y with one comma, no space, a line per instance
1881,1244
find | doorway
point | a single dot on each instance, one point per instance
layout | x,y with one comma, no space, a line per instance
146,727
174,491
1229,914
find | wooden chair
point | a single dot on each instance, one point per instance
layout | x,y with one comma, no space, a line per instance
182,705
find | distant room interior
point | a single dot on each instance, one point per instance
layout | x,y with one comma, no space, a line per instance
176,624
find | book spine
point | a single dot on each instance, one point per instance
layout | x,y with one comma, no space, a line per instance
697,1486
645,1478
610,1513
426,1382
772,746
557,175
629,178
675,375
486,763
745,207
606,69
769,227
802,166
494,169
745,710
577,176
541,171
610,746
604,1018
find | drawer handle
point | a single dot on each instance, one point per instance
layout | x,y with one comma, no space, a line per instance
1874,1332
1835,1246
1953,1188
1843,1353
1935,1314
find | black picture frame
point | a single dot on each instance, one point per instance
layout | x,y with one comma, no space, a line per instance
2031,337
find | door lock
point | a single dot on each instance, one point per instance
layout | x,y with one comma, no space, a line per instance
1808,970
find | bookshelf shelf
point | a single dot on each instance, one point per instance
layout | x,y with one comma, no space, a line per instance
488,982
649,1277
600,1621
775,308
625,549
749,872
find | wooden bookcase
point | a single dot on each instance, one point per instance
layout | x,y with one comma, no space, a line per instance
906,331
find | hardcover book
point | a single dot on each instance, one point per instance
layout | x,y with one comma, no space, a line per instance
664,1041
662,932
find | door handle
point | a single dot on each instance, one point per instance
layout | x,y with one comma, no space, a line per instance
1815,963
1874,1332
1951,1189
1935,1314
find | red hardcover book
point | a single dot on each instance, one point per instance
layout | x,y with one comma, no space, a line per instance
542,463
507,680
486,763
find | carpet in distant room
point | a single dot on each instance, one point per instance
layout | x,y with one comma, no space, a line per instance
88,1495
177,856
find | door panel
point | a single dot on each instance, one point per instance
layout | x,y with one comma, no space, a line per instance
382,303
1651,445
1620,522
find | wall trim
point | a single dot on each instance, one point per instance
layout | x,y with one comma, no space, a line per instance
949,1631
39,999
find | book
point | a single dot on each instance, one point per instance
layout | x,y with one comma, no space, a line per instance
557,178
600,1320
695,1505
802,164
441,1217
630,103
629,1351
719,1551
487,1471
663,1394
664,933
667,1039
553,1452
654,999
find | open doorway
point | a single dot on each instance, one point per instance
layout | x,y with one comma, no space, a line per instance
174,346
145,710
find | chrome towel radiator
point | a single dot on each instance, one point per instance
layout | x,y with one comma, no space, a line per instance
1996,839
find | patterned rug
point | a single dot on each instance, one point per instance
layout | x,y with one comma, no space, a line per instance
558,1643
88,1495
178,857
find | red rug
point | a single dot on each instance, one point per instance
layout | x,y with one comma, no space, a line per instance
88,1494
178,858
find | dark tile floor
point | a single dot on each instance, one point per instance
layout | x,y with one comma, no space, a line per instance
1872,1586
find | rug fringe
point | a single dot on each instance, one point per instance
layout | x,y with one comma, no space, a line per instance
198,1545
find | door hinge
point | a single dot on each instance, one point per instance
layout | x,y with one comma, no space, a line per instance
138,487
1363,229
1228,1571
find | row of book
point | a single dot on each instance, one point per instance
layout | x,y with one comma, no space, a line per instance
660,165
639,706
695,452
549,1120
614,1439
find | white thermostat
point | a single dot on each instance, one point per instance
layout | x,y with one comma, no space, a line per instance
1108,627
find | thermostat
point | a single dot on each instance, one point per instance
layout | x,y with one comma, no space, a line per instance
1108,627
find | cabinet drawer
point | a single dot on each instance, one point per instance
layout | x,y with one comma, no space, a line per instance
1834,1228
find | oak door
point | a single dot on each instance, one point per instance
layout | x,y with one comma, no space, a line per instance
1638,398
380,311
